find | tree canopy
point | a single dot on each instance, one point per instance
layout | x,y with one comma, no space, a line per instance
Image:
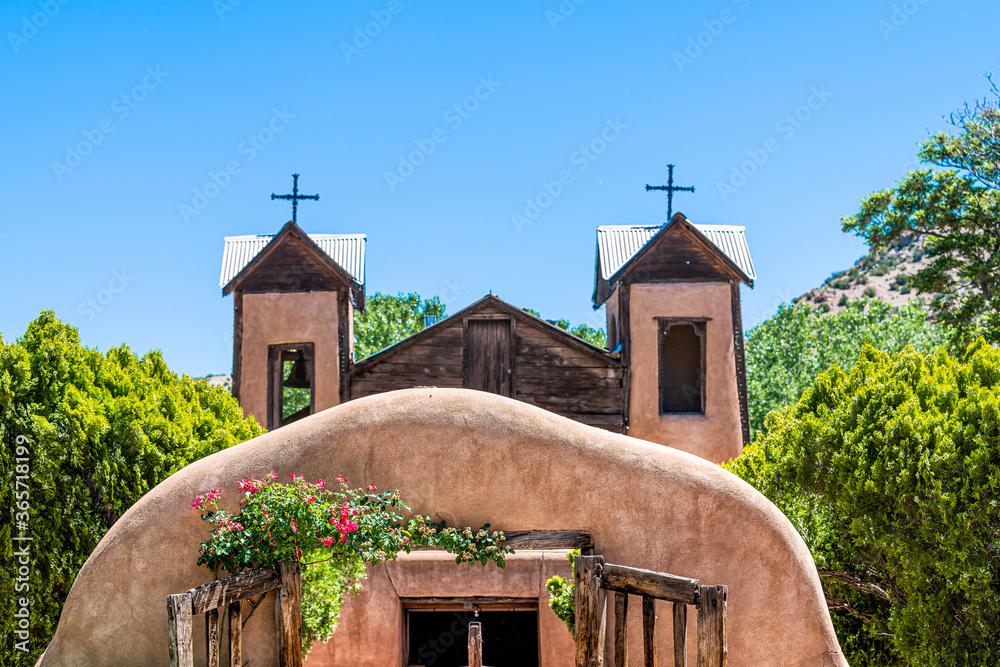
890,472
85,435
955,208
584,331
389,319
785,353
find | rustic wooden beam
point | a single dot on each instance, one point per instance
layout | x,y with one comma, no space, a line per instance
621,629
680,634
548,539
712,650
236,634
654,584
590,611
649,631
539,539
231,589
288,615
212,643
475,645
181,644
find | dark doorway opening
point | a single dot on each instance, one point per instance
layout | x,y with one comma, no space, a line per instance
290,387
440,638
682,367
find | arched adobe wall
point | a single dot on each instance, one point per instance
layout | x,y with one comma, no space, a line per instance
477,458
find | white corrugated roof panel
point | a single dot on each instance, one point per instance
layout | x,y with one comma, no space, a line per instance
617,244
347,250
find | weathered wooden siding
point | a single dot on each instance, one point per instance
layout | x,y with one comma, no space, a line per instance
291,268
432,361
548,370
557,376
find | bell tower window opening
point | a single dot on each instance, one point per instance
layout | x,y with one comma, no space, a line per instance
291,392
681,350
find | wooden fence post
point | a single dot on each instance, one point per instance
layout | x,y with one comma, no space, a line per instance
475,644
712,651
621,629
236,634
212,640
590,611
680,634
179,630
648,631
288,615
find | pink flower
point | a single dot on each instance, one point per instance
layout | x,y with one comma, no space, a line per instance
328,541
273,476
311,499
343,538
320,483
295,527
340,478
372,487
291,475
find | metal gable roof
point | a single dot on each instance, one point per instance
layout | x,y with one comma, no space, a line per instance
347,250
617,244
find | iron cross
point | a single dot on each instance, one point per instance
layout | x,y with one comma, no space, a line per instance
671,189
295,197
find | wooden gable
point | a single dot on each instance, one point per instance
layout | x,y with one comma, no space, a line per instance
292,262
679,251
544,366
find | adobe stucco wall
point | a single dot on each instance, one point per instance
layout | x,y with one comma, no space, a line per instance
717,435
375,617
478,458
288,317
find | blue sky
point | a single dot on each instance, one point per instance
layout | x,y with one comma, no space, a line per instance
118,114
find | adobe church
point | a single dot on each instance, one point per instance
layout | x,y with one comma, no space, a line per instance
673,371
672,374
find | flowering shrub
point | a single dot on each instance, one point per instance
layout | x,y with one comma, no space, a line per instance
334,530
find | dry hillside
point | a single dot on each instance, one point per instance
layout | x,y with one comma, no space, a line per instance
881,275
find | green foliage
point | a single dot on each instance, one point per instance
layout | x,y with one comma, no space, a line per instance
98,432
955,208
890,473
594,336
333,531
389,319
786,352
562,596
293,399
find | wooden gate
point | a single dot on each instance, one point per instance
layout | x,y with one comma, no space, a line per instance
593,576
228,594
